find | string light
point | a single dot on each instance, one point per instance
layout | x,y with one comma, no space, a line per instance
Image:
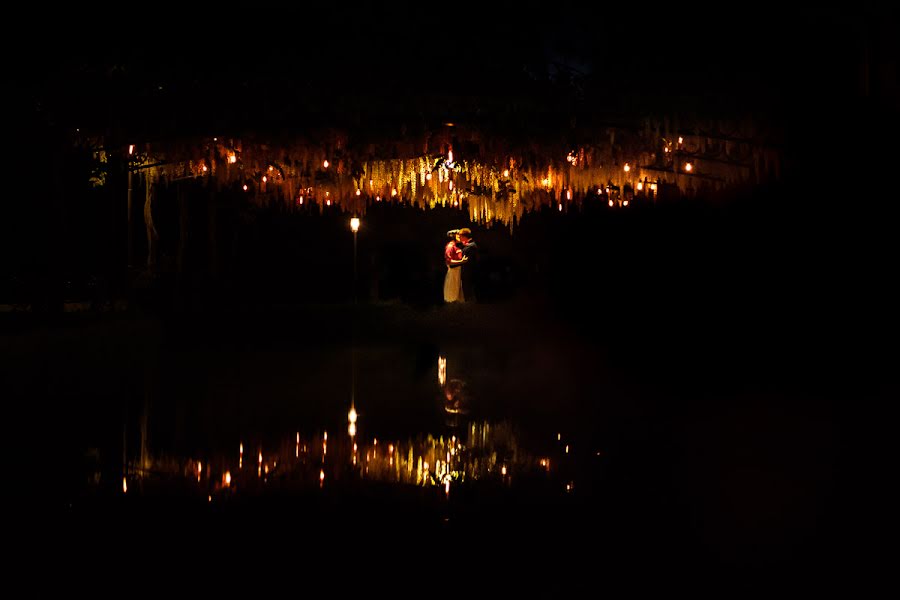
245,187
688,167
627,167
265,179
325,164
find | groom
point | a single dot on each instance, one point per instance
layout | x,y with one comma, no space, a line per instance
470,268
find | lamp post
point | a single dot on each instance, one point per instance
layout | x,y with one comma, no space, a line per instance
354,227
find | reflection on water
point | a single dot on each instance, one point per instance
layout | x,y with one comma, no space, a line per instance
466,452
483,452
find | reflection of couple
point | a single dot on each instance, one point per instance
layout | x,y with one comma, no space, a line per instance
460,254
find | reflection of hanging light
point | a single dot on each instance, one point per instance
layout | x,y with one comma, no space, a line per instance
450,156
568,194
352,416
377,198
354,227
351,429
610,202
625,203
227,478
560,207
680,140
130,149
205,169
124,486
300,200
265,179
451,186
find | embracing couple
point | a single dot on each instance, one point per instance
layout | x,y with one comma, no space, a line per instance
461,256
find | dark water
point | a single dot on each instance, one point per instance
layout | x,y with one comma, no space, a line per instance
540,437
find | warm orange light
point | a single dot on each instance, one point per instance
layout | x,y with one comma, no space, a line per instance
451,186
358,192
610,202
124,486
300,200
558,437
325,164
260,457
680,140
442,370
245,187
325,436
377,198
546,181
394,192
352,416
627,167
503,471
205,169
428,176
560,207
232,158
265,179
455,203
653,187
321,475
506,172
227,478
131,149
351,429
625,203
450,156
271,168
328,203
568,194
688,167
354,224
640,186
567,448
